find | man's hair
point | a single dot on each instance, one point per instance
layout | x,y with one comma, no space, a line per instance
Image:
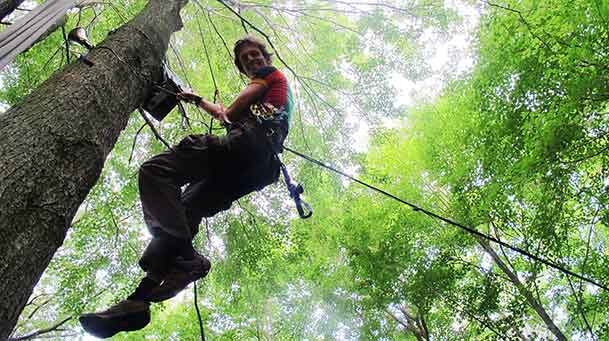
249,40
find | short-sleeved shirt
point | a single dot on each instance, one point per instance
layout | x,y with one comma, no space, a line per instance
278,91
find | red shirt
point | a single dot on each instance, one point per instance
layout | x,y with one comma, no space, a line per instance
276,84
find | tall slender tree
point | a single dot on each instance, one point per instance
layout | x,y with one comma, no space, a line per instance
54,143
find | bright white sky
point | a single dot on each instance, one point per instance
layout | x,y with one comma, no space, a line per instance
448,57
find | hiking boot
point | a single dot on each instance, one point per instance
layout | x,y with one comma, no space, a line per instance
128,315
183,273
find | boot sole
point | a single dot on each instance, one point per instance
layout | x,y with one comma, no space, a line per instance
105,327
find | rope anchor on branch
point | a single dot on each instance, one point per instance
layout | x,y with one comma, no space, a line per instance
78,35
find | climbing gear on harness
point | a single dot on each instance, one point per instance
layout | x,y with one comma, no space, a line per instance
183,273
264,111
128,315
266,114
304,210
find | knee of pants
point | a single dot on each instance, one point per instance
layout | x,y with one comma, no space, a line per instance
149,170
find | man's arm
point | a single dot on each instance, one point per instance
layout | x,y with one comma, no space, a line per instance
248,96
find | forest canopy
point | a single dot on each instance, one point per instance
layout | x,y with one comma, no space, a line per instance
494,114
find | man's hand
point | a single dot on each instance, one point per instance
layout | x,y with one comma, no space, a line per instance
189,97
218,112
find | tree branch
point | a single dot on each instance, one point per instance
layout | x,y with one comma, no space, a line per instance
40,332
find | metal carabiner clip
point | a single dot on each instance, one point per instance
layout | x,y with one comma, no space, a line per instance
304,209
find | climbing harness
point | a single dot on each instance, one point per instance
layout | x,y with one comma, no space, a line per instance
265,114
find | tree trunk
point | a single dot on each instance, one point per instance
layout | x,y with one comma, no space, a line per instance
8,6
523,290
413,324
54,143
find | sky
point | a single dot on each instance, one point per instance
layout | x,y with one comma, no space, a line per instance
448,56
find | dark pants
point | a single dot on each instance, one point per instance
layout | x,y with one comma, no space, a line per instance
217,170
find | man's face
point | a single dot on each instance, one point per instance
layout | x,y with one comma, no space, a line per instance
251,59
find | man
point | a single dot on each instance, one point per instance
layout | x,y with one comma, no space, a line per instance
218,171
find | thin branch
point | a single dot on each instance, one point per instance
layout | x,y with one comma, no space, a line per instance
134,141
484,322
38,333
154,131
38,307
67,43
33,299
397,319
228,51
116,228
579,308
496,232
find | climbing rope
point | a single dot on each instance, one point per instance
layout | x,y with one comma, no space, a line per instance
198,313
211,71
451,222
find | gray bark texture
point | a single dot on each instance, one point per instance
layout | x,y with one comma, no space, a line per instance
54,143
8,6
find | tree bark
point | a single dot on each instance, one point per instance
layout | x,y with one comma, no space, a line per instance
8,6
54,143
539,309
